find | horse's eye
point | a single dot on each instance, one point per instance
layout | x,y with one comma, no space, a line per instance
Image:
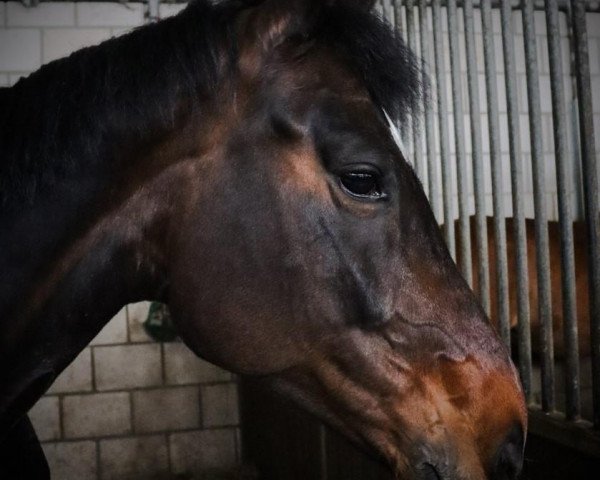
361,184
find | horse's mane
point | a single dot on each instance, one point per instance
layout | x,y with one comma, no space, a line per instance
70,115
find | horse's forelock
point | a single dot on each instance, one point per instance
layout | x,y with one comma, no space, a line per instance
368,44
375,50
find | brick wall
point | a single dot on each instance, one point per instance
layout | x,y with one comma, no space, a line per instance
129,407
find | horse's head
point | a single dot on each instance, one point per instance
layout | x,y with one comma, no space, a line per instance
306,250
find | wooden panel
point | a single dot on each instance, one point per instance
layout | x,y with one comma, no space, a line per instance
547,460
345,461
284,443
278,439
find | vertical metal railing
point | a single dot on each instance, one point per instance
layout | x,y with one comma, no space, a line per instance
416,131
517,244
388,8
559,117
502,312
542,250
408,127
481,234
432,166
516,176
442,101
459,146
590,187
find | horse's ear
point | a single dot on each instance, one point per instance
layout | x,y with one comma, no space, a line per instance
272,21
268,23
363,4
366,4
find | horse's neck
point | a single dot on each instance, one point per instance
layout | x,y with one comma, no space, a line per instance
71,281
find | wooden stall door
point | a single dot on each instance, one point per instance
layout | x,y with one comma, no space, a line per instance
281,442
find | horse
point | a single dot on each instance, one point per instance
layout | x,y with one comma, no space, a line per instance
581,282
237,163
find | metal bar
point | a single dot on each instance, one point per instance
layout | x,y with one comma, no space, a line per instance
416,131
432,172
590,184
576,436
542,252
408,128
405,127
153,13
397,6
483,268
323,474
440,69
459,145
516,175
393,15
388,11
497,176
559,117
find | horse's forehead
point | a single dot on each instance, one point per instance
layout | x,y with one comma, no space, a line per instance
319,67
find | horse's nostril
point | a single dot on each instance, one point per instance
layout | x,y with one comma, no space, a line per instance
429,472
509,459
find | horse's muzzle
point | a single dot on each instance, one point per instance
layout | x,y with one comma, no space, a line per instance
430,472
506,464
509,459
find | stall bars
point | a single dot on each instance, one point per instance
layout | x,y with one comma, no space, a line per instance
421,23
